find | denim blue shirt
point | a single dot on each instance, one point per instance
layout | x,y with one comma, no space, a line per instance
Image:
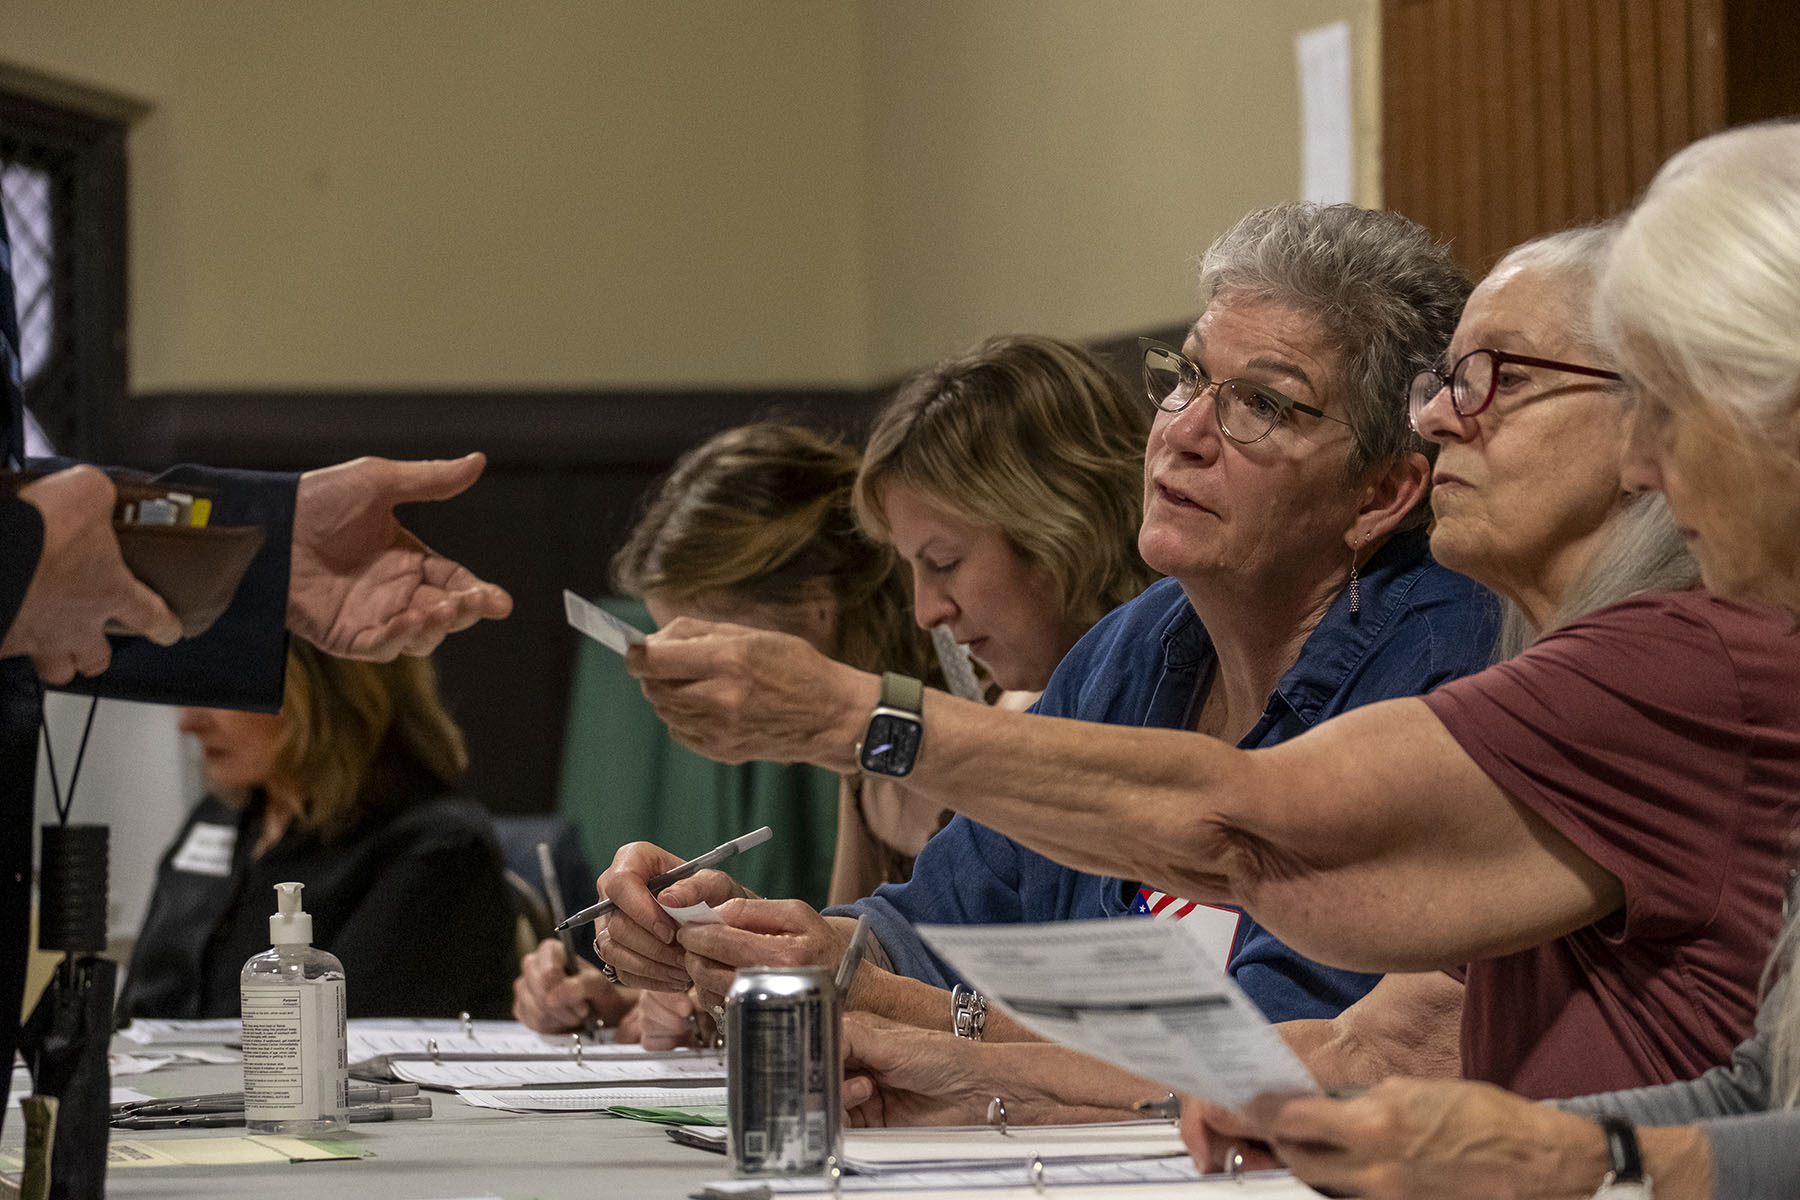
1144,664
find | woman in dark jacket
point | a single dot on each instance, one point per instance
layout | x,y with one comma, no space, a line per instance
349,790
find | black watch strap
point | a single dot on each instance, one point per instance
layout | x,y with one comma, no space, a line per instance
902,692
1622,1150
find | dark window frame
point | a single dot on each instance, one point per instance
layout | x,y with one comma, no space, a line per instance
85,155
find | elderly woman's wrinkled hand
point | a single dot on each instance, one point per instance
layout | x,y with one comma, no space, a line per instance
737,694
1434,1139
759,933
637,939
550,1000
671,1021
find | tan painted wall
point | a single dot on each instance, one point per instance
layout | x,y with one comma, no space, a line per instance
1055,165
545,193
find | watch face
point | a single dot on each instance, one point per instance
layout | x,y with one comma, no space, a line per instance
891,744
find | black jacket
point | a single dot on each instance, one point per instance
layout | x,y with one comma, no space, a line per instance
411,899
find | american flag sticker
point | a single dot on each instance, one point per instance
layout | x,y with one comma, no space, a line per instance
1217,925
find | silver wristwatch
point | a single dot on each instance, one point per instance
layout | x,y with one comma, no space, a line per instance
968,1013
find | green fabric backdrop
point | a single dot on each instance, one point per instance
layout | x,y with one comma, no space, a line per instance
625,780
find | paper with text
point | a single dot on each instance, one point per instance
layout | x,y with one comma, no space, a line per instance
591,1099
689,1067
1144,995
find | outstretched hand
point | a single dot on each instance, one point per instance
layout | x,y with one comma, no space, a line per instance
361,585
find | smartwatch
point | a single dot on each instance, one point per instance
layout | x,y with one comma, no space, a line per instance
890,744
1626,1180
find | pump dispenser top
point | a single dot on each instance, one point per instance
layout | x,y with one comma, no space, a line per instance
290,926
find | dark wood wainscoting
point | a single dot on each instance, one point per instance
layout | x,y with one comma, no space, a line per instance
565,474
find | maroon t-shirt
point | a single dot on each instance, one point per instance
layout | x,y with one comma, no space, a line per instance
1662,737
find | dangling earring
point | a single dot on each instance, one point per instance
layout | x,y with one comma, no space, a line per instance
1355,590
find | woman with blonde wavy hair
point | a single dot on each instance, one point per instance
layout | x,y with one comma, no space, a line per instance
348,789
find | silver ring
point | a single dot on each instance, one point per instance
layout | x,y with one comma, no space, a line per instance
607,969
1234,1162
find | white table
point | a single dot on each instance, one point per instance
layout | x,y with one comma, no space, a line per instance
460,1151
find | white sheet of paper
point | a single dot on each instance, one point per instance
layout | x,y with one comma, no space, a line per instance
1144,995
616,635
694,1065
368,1039
592,1099
1327,135
212,1031
876,1150
1155,1179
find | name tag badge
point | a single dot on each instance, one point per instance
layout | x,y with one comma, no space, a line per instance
207,850
1218,927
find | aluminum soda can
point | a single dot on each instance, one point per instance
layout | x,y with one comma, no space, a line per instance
783,1112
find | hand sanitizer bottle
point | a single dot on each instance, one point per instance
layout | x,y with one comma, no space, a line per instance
296,1077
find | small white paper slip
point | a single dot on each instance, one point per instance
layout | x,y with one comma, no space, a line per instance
616,635
206,850
695,914
1144,995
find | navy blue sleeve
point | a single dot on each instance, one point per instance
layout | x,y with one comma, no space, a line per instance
239,662
966,875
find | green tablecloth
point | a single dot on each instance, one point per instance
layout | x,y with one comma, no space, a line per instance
625,780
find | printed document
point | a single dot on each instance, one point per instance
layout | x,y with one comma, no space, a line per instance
1144,995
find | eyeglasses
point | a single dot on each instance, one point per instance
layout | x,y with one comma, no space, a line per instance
1474,379
1246,411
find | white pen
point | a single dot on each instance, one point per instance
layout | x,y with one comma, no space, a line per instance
692,866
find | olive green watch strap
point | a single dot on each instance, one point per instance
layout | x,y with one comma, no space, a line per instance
902,692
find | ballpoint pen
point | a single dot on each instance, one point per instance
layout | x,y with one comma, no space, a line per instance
691,867
226,1102
590,1027
413,1109
853,956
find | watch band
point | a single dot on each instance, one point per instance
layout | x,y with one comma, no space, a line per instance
1622,1151
902,692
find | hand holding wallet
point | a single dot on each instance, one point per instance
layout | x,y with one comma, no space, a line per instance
166,541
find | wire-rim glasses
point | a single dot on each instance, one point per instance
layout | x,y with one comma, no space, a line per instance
1474,379
1246,410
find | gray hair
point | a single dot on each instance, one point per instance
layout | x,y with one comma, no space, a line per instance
1702,292
1575,256
1639,549
1386,295
1780,1017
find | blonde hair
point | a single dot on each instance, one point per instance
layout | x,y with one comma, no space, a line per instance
336,715
1036,437
759,512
